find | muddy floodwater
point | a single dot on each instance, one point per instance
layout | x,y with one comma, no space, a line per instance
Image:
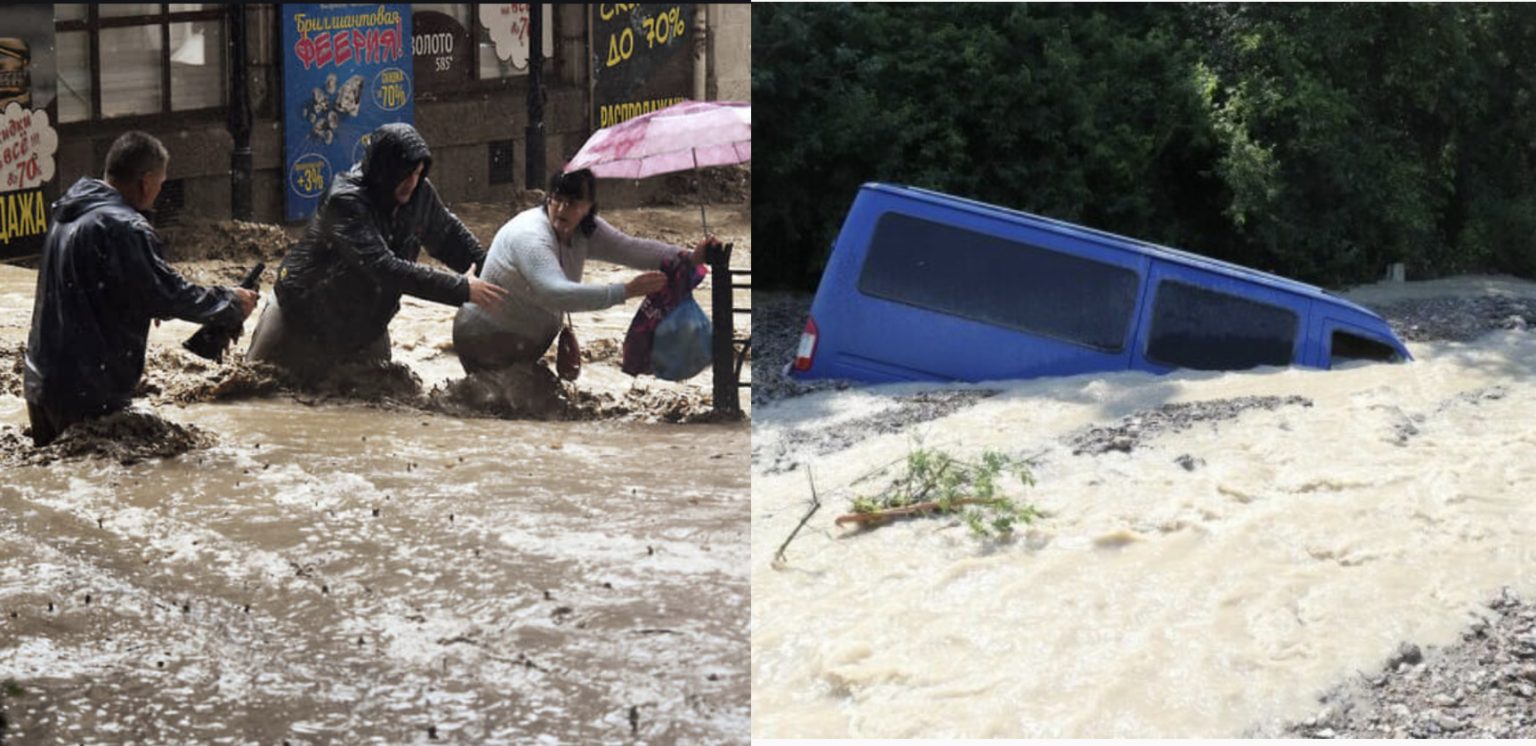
332,568
1217,551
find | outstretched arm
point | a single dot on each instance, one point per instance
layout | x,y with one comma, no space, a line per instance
536,261
360,243
612,245
166,294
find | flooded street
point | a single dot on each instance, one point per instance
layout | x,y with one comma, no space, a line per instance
1207,569
327,568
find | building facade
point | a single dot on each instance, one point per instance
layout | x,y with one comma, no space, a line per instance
178,70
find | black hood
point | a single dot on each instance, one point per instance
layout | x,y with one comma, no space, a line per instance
393,152
87,194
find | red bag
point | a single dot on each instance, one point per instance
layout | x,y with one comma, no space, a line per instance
568,353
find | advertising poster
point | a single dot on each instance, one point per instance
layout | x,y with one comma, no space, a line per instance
346,70
28,137
442,50
643,56
508,25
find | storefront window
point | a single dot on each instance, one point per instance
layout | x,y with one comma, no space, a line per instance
69,12
116,10
74,61
130,71
197,70
139,59
457,46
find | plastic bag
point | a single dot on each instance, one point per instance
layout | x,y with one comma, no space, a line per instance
684,342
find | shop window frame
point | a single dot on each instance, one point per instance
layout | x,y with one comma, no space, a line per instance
93,25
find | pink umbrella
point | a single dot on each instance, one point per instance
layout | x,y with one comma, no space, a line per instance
692,134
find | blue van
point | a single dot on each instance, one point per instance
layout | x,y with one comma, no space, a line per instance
923,286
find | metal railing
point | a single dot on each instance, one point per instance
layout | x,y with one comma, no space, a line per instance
729,352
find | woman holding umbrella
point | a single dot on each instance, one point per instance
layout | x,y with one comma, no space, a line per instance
538,256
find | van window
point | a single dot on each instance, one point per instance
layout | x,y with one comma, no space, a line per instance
1193,327
1000,282
1346,347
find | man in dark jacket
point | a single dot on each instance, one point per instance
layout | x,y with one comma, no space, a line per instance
339,287
101,281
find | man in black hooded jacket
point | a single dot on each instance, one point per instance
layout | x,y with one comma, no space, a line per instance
340,286
101,281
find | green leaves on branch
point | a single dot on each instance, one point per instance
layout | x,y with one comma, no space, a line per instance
936,483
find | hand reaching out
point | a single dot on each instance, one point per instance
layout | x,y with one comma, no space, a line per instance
484,294
644,283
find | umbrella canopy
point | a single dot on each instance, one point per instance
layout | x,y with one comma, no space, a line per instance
692,134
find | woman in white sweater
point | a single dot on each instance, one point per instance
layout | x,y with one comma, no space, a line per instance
538,256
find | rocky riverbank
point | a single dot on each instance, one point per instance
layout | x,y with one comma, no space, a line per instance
1484,686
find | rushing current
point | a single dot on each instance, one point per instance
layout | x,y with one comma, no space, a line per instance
1201,571
335,570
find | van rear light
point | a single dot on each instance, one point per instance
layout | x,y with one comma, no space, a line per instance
807,349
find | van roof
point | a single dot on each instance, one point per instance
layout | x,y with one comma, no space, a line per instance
1115,240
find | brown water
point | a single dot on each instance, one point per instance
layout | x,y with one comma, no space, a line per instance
332,570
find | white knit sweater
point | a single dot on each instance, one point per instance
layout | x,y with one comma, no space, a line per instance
526,258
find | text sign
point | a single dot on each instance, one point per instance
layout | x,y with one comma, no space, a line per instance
346,70
642,55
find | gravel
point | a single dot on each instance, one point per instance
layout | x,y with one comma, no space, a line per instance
777,320
1457,319
1483,686
1132,430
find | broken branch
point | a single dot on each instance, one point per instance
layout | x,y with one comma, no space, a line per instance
913,509
778,557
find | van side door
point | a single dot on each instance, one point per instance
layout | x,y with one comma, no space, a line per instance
1204,320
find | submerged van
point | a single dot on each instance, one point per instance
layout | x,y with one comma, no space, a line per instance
923,286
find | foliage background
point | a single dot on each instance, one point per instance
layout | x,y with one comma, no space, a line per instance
1321,142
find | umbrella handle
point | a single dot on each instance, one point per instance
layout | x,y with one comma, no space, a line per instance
700,177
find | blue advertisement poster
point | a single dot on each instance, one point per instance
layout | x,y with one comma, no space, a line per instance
346,70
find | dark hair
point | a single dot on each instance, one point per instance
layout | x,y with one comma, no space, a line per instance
134,154
576,185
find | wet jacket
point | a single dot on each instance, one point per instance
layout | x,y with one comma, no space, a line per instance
101,281
342,283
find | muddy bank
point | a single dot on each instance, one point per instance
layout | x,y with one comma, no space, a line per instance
724,184
126,437
1457,319
1483,686
13,363
176,377
228,240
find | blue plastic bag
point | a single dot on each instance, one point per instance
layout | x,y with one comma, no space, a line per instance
684,342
